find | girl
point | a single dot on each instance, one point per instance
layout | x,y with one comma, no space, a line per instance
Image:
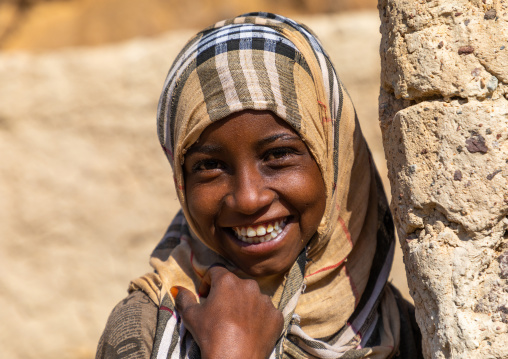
284,242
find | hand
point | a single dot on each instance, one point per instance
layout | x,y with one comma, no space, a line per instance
235,321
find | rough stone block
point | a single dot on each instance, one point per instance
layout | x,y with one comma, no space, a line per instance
444,118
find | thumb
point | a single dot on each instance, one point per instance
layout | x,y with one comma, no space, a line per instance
187,307
183,297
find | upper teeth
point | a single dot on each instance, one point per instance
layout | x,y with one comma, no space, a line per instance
259,233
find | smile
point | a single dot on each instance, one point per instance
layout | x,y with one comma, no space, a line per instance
260,233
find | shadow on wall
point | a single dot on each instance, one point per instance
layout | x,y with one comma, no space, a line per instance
40,25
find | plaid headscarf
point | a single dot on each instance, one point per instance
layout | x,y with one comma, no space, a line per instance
334,299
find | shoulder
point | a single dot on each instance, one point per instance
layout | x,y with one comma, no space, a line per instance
130,329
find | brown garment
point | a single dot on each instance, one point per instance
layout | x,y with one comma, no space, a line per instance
130,329
410,336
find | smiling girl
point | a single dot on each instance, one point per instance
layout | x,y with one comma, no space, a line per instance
284,242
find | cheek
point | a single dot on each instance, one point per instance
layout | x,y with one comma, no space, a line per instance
313,197
202,204
306,192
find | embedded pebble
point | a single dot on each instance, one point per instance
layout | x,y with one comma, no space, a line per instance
490,15
492,83
491,176
466,50
503,264
476,144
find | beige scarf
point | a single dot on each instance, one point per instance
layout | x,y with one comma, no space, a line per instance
284,69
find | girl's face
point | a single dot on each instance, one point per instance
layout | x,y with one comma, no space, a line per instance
255,191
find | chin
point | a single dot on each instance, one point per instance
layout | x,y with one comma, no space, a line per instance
260,270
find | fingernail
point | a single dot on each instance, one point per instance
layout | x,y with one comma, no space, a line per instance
174,292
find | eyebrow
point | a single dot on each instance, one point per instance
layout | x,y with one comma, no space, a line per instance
211,148
278,136
206,149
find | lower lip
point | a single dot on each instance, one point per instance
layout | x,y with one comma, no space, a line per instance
258,248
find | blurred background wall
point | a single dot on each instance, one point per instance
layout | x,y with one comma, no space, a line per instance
85,191
49,24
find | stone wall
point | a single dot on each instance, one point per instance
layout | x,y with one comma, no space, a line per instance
444,119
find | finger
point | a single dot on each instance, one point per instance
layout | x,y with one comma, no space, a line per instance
212,274
204,288
183,297
185,300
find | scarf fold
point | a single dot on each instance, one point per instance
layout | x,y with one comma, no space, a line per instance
334,299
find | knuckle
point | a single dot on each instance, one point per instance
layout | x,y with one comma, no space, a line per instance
218,270
227,279
251,286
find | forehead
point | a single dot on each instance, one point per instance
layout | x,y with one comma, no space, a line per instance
248,125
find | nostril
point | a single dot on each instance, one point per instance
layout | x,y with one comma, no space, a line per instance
252,203
251,199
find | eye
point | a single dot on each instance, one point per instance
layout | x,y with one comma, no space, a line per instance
207,165
279,153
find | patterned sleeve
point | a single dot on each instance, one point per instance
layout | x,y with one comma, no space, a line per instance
130,329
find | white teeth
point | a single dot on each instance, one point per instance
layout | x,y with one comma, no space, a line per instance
261,231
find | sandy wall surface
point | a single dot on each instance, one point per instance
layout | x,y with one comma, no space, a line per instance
39,25
86,192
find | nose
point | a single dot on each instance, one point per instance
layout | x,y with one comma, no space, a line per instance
250,192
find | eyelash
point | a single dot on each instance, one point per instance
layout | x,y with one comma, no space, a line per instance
273,155
279,153
201,165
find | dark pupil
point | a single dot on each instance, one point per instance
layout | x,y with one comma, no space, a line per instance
208,165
